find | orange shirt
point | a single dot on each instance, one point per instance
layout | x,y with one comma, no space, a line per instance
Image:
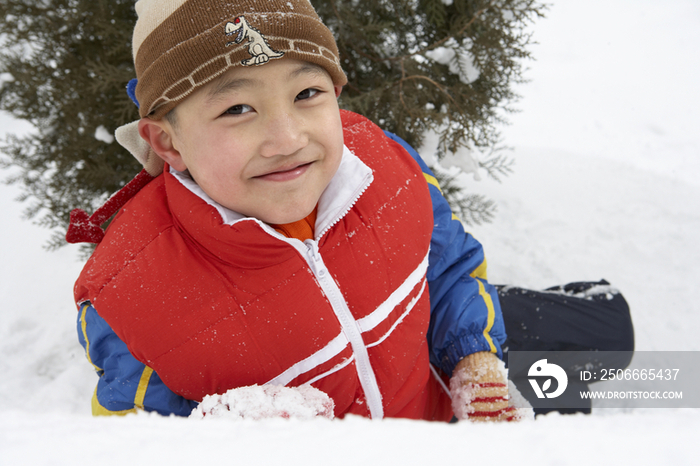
301,229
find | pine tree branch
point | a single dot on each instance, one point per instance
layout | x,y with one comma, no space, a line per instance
432,46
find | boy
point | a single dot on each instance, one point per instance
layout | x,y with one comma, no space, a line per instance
282,241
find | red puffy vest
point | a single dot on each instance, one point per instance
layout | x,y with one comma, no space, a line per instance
211,306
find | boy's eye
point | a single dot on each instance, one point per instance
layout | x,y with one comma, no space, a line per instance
307,94
238,110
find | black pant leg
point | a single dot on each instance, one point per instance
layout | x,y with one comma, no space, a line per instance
580,316
569,318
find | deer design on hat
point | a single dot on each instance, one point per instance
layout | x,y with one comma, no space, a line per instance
258,47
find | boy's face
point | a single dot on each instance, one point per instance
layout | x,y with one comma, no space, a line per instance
263,141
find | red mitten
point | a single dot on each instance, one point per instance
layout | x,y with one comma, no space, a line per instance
480,390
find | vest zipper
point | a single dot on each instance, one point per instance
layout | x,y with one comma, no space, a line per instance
310,251
367,180
350,328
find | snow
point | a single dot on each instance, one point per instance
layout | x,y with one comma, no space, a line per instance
463,65
606,185
103,134
265,402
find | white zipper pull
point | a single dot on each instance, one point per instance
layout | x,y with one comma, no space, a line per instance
317,266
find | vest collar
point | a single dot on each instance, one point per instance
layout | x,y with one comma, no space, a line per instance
345,188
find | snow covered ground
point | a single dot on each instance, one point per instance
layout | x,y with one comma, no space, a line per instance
606,185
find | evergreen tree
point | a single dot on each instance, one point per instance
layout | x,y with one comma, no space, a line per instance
68,63
413,66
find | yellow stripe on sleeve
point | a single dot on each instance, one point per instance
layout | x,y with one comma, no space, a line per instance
480,272
83,328
432,180
99,410
491,314
143,385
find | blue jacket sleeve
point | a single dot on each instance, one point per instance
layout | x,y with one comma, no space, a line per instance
465,315
125,384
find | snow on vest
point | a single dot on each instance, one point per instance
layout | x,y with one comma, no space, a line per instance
212,306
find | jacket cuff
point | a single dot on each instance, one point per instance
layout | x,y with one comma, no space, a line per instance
468,344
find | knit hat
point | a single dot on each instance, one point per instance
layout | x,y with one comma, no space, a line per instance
180,45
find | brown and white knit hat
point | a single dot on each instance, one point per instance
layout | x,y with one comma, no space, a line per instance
180,45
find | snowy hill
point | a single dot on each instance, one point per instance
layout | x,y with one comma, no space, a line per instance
606,185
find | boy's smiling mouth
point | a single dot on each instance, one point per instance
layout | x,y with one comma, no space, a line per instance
285,173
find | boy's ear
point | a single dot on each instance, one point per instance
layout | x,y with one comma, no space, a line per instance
338,90
158,135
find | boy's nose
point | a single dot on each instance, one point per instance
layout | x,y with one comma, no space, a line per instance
285,134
